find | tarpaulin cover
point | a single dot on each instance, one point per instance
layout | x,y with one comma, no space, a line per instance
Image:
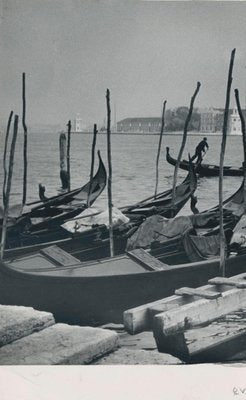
204,219
199,248
92,216
157,227
239,232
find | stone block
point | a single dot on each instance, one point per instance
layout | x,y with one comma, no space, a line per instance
60,344
137,357
17,322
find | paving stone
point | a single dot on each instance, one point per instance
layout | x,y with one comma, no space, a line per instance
133,357
17,322
60,344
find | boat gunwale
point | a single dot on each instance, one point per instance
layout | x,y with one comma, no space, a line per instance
11,271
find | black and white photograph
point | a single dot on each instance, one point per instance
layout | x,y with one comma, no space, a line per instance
122,198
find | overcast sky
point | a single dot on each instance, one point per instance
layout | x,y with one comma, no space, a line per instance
144,52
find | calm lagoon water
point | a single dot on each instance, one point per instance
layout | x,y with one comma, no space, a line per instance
133,164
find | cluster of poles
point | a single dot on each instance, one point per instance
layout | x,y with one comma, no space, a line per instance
8,170
222,152
65,155
65,165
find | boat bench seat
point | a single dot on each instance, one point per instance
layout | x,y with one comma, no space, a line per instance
147,260
59,256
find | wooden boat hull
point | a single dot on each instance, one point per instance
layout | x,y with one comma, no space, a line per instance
162,203
94,241
99,299
57,209
204,169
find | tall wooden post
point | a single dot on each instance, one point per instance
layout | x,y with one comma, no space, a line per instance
4,157
68,153
63,168
25,137
111,237
92,162
159,146
222,154
244,147
188,118
8,189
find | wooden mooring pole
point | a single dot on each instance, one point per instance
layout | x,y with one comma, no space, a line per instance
4,157
8,188
92,162
111,237
222,154
187,121
159,146
25,137
68,153
63,168
244,146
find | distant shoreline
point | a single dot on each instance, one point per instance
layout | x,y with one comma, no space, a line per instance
155,133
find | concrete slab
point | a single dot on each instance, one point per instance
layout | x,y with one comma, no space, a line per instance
17,322
60,344
137,357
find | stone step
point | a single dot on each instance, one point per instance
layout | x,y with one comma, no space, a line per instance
60,344
125,356
17,322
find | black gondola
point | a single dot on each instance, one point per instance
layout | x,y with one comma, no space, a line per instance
204,169
55,210
94,243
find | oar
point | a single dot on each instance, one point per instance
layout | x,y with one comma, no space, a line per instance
204,154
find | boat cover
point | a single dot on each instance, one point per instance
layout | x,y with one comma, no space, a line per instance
93,216
159,228
199,248
239,233
14,211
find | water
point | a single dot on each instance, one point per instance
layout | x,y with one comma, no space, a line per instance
133,164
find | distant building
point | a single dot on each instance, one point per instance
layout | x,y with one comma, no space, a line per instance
235,122
78,124
211,120
139,125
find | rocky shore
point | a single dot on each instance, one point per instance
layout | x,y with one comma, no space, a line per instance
31,337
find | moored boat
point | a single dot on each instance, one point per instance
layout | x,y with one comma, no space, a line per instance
98,292
188,238
204,169
94,243
55,210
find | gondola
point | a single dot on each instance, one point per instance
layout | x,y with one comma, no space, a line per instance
201,238
162,203
55,210
205,169
94,243
99,292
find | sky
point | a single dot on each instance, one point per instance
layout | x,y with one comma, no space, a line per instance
144,52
